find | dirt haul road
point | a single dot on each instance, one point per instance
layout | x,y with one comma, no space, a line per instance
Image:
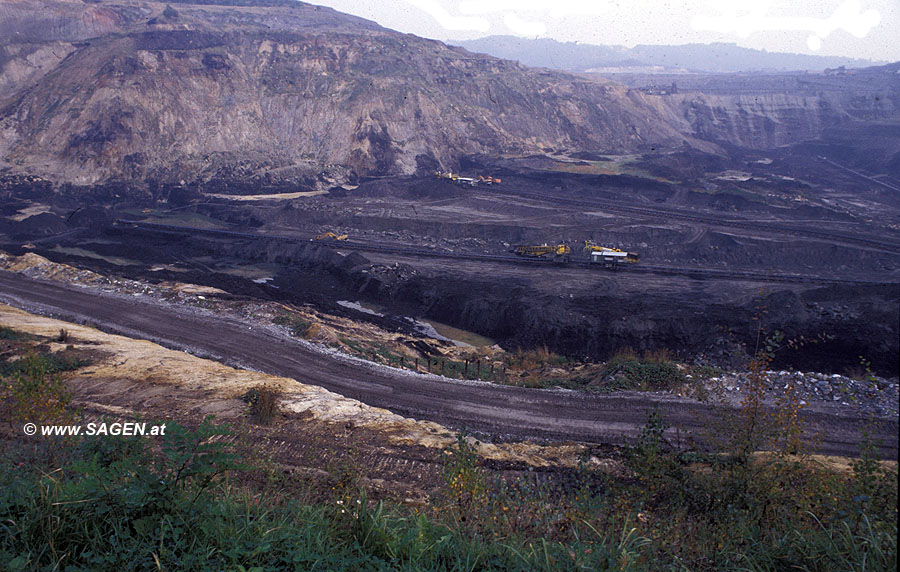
494,409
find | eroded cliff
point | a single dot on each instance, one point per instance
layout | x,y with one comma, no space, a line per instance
133,90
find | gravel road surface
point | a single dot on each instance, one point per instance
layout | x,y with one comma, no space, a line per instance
508,412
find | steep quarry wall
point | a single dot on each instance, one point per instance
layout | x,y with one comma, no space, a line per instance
273,92
100,90
769,120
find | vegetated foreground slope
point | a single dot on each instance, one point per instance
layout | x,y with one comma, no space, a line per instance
131,90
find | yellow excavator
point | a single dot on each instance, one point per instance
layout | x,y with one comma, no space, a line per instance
332,236
559,252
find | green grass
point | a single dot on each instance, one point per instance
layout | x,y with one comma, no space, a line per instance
49,362
126,504
13,335
114,504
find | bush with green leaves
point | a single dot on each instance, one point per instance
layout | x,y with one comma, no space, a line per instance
299,327
631,372
264,403
31,389
11,334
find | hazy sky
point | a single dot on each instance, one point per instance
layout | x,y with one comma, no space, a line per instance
854,28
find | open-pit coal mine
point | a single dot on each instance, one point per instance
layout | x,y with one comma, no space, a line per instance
282,288
711,274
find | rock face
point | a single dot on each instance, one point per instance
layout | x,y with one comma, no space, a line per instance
275,92
133,90
762,111
764,121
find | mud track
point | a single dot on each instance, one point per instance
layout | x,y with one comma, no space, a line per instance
507,412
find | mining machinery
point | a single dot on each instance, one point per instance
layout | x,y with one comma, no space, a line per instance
558,252
608,256
331,236
471,181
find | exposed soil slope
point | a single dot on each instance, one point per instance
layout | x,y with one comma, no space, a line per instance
118,89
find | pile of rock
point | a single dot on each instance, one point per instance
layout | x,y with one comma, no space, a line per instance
873,394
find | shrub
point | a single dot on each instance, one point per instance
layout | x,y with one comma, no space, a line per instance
13,335
649,374
534,358
657,356
127,504
299,327
46,362
464,479
624,354
263,401
33,391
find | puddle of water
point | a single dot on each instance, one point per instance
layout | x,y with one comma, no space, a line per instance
458,336
370,306
194,220
22,214
276,196
169,267
428,328
74,251
259,273
359,307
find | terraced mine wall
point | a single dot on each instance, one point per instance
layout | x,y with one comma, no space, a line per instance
852,320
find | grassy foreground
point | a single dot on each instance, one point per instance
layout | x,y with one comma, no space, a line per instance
115,504
190,501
